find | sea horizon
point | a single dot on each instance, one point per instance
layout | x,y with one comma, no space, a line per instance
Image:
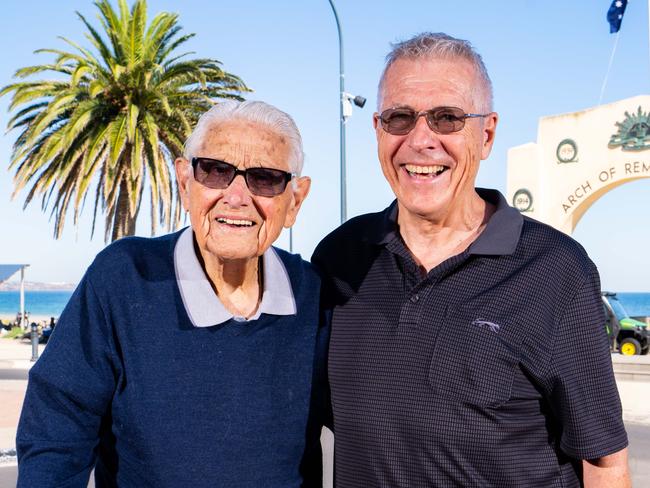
50,303
38,303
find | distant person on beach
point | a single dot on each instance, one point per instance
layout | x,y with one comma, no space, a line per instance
468,346
188,359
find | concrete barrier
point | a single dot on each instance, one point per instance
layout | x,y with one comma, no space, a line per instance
633,380
631,364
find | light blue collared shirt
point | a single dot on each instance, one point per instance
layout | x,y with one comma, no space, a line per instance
203,305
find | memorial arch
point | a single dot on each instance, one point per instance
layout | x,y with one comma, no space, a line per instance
578,158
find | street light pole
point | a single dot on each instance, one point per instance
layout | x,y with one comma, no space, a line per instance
343,118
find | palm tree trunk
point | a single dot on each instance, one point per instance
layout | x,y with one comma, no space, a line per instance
123,222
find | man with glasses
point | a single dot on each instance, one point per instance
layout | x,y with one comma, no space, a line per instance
467,345
188,359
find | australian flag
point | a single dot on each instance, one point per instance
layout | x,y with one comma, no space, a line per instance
615,15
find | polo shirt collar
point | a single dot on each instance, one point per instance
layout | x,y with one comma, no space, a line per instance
501,234
201,302
500,237
388,229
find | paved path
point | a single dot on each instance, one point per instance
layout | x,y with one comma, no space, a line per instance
14,367
639,437
8,475
13,374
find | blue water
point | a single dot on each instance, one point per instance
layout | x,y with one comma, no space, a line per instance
636,304
51,303
47,303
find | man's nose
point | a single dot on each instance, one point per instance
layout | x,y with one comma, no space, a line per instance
422,136
237,194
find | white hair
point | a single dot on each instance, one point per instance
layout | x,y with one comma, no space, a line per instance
250,111
438,45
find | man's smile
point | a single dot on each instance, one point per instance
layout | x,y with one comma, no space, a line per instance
419,171
235,222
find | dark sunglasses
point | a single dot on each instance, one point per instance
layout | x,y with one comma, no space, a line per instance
263,182
442,120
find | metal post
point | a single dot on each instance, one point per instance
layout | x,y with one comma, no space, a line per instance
23,325
342,121
291,239
34,338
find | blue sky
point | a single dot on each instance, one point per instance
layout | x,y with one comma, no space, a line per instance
544,58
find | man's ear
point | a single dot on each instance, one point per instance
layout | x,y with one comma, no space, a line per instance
299,193
489,132
183,170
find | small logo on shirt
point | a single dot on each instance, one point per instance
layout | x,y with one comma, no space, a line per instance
486,324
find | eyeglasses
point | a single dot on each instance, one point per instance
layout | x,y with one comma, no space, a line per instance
218,175
442,120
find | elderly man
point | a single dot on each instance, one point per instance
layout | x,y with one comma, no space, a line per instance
187,360
467,345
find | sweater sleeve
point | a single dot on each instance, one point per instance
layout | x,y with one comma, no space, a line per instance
68,395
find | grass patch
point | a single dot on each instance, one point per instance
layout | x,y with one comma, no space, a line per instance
13,333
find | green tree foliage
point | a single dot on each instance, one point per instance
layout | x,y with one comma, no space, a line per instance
113,118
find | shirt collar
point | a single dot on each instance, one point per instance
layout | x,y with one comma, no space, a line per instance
500,236
201,302
385,228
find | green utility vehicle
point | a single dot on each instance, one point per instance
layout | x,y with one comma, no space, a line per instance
627,335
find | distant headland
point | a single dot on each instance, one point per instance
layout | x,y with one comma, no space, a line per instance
36,286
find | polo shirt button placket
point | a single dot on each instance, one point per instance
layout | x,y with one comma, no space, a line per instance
411,309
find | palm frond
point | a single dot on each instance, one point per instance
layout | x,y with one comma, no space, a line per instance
117,139
17,119
32,70
135,29
97,41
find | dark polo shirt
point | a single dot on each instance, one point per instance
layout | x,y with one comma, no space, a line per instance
491,370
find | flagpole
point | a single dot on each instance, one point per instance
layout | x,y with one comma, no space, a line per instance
609,68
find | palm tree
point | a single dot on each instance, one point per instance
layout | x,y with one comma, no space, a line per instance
116,117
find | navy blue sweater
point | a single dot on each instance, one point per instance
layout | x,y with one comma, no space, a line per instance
129,386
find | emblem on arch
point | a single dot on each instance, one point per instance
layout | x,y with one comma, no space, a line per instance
633,132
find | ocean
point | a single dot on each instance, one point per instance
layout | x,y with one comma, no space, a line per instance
636,304
52,303
46,303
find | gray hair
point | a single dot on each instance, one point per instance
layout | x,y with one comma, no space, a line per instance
250,111
438,45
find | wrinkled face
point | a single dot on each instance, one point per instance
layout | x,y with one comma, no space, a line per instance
232,223
432,174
